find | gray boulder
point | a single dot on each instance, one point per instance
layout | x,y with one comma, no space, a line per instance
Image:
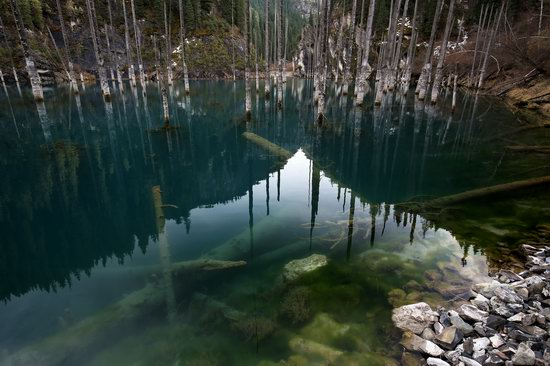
524,355
414,318
298,267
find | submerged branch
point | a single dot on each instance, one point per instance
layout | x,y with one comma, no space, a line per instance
268,145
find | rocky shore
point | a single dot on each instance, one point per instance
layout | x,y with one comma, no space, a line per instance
505,322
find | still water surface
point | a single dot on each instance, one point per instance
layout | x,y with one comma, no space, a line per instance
85,260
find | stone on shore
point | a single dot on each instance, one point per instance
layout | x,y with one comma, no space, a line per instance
524,355
414,343
414,318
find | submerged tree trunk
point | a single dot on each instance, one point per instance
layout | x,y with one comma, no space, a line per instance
489,46
72,78
115,55
34,78
366,69
99,57
138,46
411,52
182,51
422,86
168,46
442,54
267,82
280,56
131,70
247,97
349,50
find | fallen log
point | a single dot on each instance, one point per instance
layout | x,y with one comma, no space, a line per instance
486,191
79,341
268,145
524,148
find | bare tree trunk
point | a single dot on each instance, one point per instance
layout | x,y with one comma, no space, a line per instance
72,79
115,55
349,50
280,56
489,46
540,16
138,46
168,48
365,67
482,15
359,41
110,56
267,83
98,55
8,49
442,53
397,56
34,78
248,99
285,48
256,55
182,45
3,83
454,90
232,40
411,52
131,71
321,67
390,76
422,86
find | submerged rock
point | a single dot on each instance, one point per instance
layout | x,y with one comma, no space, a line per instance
298,267
312,348
414,343
415,317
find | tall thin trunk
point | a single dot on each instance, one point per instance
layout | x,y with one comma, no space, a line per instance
482,15
321,61
110,56
421,87
285,47
137,35
115,54
232,39
442,53
248,99
390,73
280,56
34,78
72,78
382,85
397,56
540,16
360,44
131,70
182,45
489,46
454,89
365,67
349,50
98,55
8,48
267,83
410,52
168,52
256,54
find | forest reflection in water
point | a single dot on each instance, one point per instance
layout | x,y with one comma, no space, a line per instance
80,231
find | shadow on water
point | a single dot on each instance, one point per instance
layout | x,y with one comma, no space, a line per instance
79,262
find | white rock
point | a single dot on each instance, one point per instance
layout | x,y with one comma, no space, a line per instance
473,313
481,343
524,355
516,318
469,362
497,340
414,317
481,302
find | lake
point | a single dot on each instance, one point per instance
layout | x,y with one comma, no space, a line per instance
122,242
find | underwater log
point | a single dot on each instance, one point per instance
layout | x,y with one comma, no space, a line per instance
486,191
268,145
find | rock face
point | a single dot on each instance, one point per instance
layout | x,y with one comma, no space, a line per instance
414,318
298,267
505,323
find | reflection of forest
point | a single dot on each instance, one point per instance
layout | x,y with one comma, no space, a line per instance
69,206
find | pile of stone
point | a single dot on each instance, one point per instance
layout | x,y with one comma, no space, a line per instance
506,322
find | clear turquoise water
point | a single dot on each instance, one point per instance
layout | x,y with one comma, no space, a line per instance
81,258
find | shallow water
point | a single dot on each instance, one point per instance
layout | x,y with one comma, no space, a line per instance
84,256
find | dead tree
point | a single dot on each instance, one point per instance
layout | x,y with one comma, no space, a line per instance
280,56
267,84
482,15
349,50
489,46
247,97
422,86
106,91
182,51
71,76
131,70
442,53
366,69
137,36
36,83
114,55
410,52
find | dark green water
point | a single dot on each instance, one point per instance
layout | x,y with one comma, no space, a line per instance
82,259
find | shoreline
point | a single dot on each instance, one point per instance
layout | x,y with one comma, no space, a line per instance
504,322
